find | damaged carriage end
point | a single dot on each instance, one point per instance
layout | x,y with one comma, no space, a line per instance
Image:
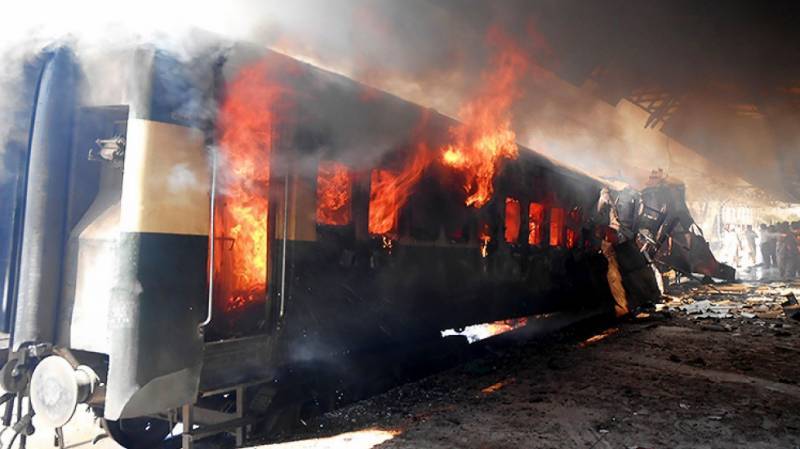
37,366
670,235
112,266
631,276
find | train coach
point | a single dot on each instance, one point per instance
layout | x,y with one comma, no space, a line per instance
183,231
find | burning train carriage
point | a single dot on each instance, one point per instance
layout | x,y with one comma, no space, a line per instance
444,264
152,275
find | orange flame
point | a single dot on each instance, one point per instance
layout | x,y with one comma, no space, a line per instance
495,387
571,238
599,337
557,216
390,191
333,194
246,132
535,222
501,327
477,332
484,238
485,136
512,220
573,227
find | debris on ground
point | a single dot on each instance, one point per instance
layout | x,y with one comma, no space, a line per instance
754,300
791,308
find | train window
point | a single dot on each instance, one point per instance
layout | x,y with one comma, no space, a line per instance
383,204
557,219
424,209
571,238
573,227
535,224
456,222
334,192
512,220
457,233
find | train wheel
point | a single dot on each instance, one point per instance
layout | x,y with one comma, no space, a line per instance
138,433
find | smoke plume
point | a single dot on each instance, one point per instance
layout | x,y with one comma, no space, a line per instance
429,52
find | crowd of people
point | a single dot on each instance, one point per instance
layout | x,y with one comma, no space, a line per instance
773,248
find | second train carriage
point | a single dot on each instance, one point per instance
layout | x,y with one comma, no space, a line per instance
124,274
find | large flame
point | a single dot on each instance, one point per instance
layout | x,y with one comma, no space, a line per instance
246,127
389,192
476,148
334,187
485,136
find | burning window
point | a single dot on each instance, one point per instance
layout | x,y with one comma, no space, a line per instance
246,125
557,219
535,223
573,227
425,213
389,191
571,238
456,222
512,220
457,234
334,189
383,207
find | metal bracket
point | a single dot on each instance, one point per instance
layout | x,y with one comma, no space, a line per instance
109,150
216,422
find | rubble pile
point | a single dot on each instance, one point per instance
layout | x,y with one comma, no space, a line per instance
756,301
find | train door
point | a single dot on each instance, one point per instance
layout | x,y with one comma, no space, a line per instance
264,205
245,201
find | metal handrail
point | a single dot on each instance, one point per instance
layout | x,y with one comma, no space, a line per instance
211,235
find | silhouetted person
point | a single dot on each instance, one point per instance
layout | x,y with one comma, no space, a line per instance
750,240
796,231
787,251
763,243
731,246
772,242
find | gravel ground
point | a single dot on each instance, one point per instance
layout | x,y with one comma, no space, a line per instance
667,380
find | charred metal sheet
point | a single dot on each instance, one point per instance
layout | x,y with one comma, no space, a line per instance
231,362
638,275
674,240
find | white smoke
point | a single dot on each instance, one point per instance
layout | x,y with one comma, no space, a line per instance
412,48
